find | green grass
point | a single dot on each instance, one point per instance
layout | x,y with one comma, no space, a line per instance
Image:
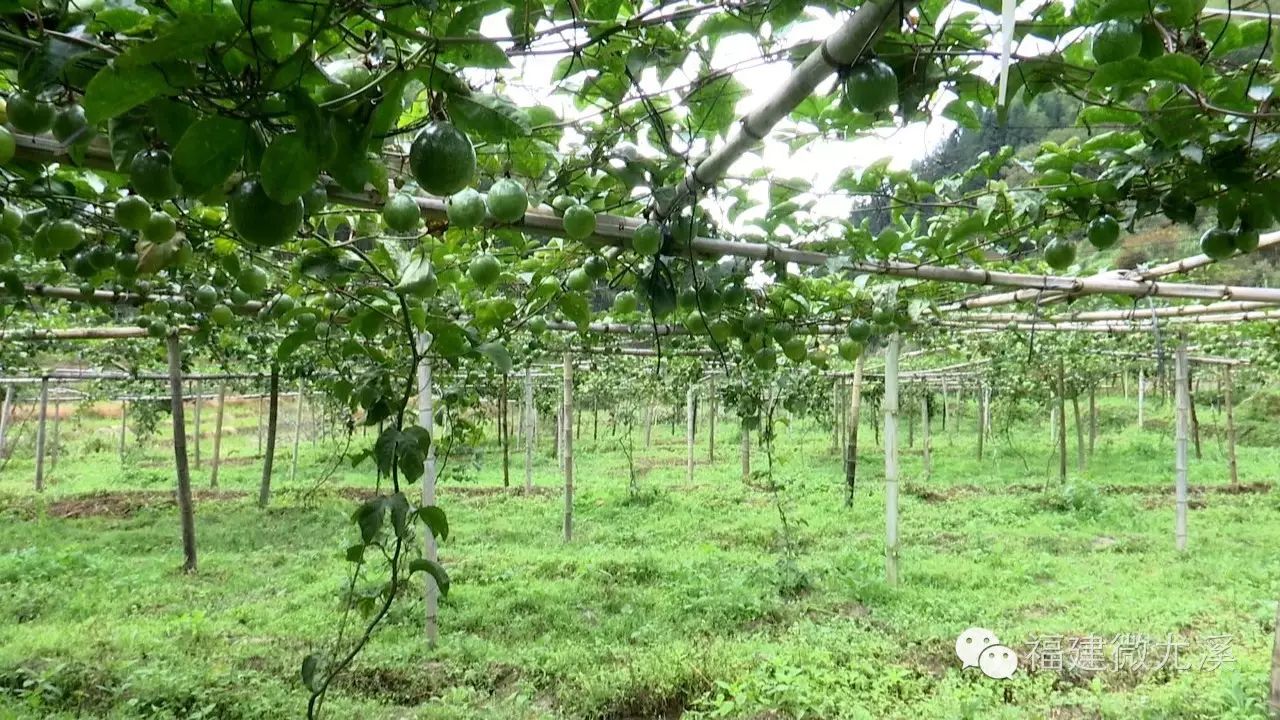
682,599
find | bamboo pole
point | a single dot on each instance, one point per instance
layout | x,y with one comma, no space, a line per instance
40,433
5,414
217,435
195,390
1180,458
1062,424
568,447
426,420
1228,387
186,511
851,441
504,434
689,427
1128,314
273,414
926,442
297,432
528,423
890,403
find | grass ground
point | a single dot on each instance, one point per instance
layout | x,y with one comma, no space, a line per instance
684,600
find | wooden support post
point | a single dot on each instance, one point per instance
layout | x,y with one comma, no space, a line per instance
568,447
1142,396
711,424
273,414
891,458
297,431
851,438
528,423
426,419
504,435
1228,388
1180,458
746,452
196,390
691,419
926,442
217,435
124,423
40,433
1195,419
1062,422
185,509
4,417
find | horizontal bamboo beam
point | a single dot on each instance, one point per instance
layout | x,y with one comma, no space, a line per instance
1133,314
99,333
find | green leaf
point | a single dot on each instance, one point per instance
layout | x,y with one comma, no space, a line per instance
435,570
289,168
712,105
399,514
488,116
434,518
293,341
355,553
1122,9
189,37
497,354
310,665
1133,70
959,111
210,150
115,91
369,516
1176,67
478,53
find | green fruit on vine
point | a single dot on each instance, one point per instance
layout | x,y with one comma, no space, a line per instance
685,228
442,159
782,332
537,325
507,201
222,315
596,267
158,329
562,203
205,297
281,306
858,331
64,235
579,222
29,114
70,125
795,349
721,330
1103,232
1246,240
465,208
709,299
126,264
6,249
315,200
258,219
1152,42
1218,244
102,256
253,281
160,227
401,213
578,280
151,174
754,322
1116,41
484,270
305,319
82,266
8,146
132,212
819,358
849,349
11,218
696,323
883,315
182,307
86,290
1059,254
625,303
1178,207
871,86
687,300
766,358
647,239
734,295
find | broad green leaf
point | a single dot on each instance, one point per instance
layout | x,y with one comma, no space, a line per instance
290,344
189,37
488,116
115,91
369,517
310,665
497,354
289,168
210,150
1133,70
1176,67
399,506
477,53
435,519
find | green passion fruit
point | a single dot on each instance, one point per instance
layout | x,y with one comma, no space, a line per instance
132,212
871,86
1103,232
151,174
401,213
465,208
1218,244
442,159
647,239
507,200
1059,254
484,270
579,222
1116,41
29,114
258,219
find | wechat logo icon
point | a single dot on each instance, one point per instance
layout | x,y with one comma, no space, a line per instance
980,648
